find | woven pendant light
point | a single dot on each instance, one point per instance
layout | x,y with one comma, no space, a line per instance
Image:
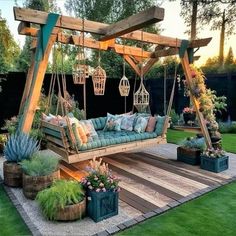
124,86
99,78
141,98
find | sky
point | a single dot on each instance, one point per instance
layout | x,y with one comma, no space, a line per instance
172,25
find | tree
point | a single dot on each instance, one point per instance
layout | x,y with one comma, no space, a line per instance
24,60
229,60
197,14
108,11
9,50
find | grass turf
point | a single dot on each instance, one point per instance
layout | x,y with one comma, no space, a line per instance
228,140
211,215
10,220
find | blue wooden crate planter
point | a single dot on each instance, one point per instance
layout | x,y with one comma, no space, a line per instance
215,164
102,205
188,156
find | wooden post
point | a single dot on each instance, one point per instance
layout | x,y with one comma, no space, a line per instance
188,76
45,43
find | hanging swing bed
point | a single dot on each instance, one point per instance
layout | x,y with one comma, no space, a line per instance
64,140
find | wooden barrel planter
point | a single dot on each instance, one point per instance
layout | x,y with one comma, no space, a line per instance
189,156
12,174
33,184
72,212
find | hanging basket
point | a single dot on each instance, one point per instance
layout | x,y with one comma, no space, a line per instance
141,98
80,73
124,86
99,81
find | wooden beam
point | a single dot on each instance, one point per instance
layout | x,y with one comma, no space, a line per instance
134,22
188,76
133,64
39,66
66,22
149,65
165,52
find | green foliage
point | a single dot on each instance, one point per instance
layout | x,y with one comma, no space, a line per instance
174,117
11,125
20,146
9,50
62,193
40,164
227,127
194,143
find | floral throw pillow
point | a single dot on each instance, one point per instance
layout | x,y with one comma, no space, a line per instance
127,122
113,122
141,124
88,125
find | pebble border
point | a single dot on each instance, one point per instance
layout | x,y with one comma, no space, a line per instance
127,224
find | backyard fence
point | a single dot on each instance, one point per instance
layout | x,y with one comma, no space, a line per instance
12,86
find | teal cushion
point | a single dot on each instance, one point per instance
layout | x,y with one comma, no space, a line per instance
113,122
160,124
141,124
99,122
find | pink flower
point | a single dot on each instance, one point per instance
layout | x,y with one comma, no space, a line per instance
98,190
104,190
101,185
90,187
88,183
95,178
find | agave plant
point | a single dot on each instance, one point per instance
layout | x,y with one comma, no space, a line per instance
20,146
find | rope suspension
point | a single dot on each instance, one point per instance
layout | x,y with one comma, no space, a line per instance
80,71
141,96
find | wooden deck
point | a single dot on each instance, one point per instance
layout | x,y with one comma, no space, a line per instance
149,182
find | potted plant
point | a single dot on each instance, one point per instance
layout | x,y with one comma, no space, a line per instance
214,160
102,191
19,147
64,200
3,140
189,115
39,173
190,150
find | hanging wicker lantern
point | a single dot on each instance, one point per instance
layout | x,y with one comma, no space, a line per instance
99,81
141,98
124,86
80,73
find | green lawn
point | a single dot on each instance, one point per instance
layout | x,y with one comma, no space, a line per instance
228,140
211,215
10,221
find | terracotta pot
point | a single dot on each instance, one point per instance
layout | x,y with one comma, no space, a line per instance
72,212
33,184
12,173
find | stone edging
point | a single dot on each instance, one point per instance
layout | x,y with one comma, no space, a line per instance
32,227
125,225
159,211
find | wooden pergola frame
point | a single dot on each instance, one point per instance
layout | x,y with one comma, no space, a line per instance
51,28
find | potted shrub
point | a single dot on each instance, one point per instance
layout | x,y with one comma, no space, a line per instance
189,115
39,173
190,150
19,147
214,160
3,140
102,191
64,200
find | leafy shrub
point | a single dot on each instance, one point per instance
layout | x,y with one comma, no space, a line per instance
40,164
194,143
61,194
227,127
20,146
174,117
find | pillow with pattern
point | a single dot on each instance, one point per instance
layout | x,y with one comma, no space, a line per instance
88,126
141,124
113,122
127,122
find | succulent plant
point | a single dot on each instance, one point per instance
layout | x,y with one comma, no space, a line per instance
20,146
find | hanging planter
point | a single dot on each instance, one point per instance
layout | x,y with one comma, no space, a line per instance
141,98
80,73
124,86
99,81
